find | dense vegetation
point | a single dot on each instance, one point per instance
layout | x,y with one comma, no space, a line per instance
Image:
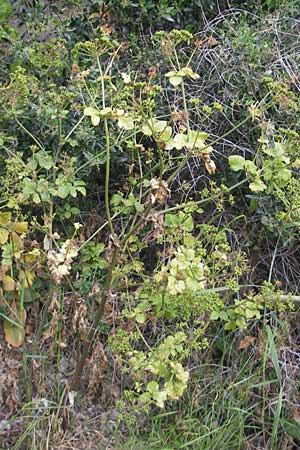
149,225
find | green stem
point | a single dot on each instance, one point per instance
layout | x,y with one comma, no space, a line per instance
107,169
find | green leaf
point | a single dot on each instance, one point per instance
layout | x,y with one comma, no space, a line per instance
160,397
179,142
138,207
250,167
214,315
236,162
146,129
175,80
140,318
89,111
292,428
166,135
257,185
171,220
5,10
159,126
126,123
152,387
45,161
106,112
63,191
189,72
82,190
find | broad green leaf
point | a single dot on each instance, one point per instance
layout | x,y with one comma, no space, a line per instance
236,162
140,318
63,191
157,126
214,315
196,140
82,190
179,142
152,387
138,207
45,161
283,176
257,185
189,72
171,220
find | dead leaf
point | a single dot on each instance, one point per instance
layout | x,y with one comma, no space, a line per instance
106,30
210,166
212,42
246,342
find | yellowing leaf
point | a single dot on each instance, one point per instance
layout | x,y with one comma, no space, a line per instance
3,236
5,218
126,122
20,227
8,283
106,112
31,257
175,80
13,334
27,277
89,111
93,113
